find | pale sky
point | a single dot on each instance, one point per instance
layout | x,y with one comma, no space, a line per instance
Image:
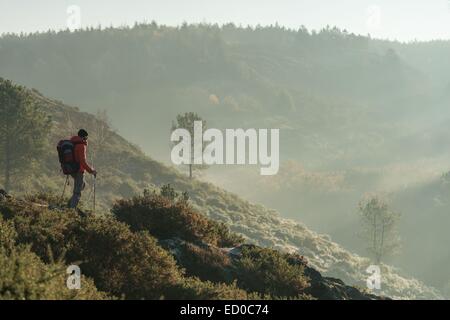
393,19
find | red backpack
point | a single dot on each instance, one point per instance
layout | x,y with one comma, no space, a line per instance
66,155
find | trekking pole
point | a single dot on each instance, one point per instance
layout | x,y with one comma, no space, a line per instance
95,179
64,189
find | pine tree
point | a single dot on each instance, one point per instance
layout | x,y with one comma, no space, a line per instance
186,121
379,230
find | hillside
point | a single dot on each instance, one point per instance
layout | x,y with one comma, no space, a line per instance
357,115
137,254
125,171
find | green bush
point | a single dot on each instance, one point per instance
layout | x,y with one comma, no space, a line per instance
50,233
8,235
206,263
166,218
24,276
119,261
123,262
195,289
270,272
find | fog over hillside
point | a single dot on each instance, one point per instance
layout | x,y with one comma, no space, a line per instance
357,115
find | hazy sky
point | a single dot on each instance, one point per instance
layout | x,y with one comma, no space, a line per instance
393,19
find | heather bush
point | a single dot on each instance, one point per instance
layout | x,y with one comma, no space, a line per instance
24,276
168,217
270,272
123,262
195,289
206,263
124,259
8,235
119,261
50,233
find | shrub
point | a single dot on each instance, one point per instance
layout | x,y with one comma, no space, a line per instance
8,235
195,289
206,263
123,262
120,262
50,233
24,276
131,264
269,272
166,218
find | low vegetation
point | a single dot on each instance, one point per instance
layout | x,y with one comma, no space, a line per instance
268,272
23,275
175,253
170,217
124,260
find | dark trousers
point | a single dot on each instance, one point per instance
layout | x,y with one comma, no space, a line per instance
78,186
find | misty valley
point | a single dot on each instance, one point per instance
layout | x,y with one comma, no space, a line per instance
207,161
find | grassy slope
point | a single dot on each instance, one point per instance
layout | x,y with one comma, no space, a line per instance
126,170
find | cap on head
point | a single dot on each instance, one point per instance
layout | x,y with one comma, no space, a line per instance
82,133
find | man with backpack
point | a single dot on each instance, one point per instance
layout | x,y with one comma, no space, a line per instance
72,156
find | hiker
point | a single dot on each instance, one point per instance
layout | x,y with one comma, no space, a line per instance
80,146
